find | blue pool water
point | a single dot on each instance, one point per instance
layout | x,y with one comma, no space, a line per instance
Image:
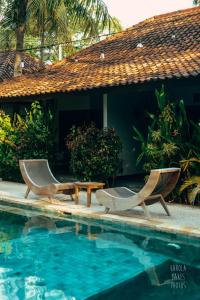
42,258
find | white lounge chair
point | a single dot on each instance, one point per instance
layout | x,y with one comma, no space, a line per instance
160,183
40,180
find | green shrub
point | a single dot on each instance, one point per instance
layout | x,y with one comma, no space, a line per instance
191,185
170,137
94,153
24,138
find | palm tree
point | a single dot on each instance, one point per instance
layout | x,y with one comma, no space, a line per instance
58,24
14,16
52,16
196,2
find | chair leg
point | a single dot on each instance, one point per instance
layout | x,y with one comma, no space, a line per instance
146,211
107,209
77,190
50,198
162,201
27,193
153,277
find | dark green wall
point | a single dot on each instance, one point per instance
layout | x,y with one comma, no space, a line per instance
128,107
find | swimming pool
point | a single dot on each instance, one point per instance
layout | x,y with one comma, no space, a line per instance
46,258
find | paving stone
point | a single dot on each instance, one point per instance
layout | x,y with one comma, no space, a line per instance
184,219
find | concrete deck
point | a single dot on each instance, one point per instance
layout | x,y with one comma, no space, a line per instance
184,219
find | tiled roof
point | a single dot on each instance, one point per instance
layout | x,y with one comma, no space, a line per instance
170,49
7,61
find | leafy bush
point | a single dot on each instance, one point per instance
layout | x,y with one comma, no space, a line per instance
191,184
24,138
94,152
170,138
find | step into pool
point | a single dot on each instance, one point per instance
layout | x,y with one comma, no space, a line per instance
47,258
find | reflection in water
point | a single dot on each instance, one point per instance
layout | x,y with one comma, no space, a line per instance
5,245
116,240
67,260
43,222
31,287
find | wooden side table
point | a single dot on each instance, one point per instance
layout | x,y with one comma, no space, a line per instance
89,186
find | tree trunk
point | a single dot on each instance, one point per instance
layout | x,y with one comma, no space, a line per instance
19,46
21,7
42,45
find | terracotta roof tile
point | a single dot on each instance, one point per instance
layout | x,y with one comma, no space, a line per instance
7,61
170,49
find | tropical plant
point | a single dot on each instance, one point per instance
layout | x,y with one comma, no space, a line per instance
191,168
24,138
94,152
171,139
196,2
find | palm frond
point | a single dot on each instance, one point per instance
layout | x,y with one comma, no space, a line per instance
161,98
193,194
185,123
196,2
137,135
193,180
186,163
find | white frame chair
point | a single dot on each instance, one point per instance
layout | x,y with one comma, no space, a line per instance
160,183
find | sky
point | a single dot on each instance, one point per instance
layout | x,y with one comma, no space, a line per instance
130,12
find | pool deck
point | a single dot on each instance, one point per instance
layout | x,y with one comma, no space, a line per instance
184,219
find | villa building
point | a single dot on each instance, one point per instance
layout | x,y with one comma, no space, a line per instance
113,82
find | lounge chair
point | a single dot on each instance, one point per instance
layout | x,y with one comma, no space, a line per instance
160,183
40,180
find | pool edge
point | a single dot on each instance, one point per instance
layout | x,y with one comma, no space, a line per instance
145,224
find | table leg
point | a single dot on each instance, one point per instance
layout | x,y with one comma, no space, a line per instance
76,194
88,197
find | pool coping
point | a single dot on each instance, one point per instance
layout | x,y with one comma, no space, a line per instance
52,209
